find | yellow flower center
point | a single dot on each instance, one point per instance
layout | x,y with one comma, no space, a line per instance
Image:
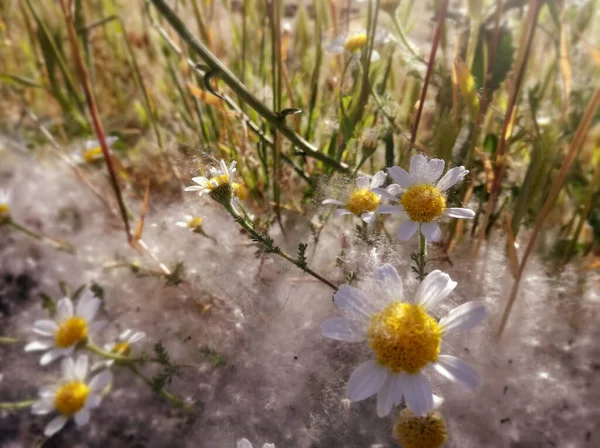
362,201
240,191
423,203
93,154
71,331
420,432
195,222
4,209
404,337
122,348
71,397
355,42
220,180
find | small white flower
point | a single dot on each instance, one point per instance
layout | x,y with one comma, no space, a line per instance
245,443
92,150
423,200
73,396
404,338
365,200
70,326
192,223
121,347
4,203
218,177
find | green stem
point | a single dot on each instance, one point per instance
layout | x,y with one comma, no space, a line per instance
17,405
177,402
274,249
6,340
109,355
234,83
66,246
421,256
405,41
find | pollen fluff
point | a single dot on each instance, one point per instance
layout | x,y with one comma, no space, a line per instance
423,203
71,398
71,331
362,201
404,337
420,432
355,42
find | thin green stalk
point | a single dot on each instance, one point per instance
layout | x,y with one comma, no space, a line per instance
216,66
177,402
421,256
270,248
17,405
7,340
60,245
109,355
405,41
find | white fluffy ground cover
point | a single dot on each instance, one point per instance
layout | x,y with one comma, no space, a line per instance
247,329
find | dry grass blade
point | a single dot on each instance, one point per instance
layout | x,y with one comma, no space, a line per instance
513,257
582,130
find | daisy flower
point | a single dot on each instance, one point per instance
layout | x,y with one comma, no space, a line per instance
412,431
423,200
245,443
92,151
404,338
4,203
73,396
121,347
353,42
365,200
193,223
220,185
71,325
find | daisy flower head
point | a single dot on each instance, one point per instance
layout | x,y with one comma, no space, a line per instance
192,223
4,204
404,339
71,325
423,200
121,347
219,186
92,151
353,42
365,199
412,431
73,396
245,443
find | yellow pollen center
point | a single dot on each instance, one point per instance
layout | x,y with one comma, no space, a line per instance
362,201
420,432
355,42
195,222
122,348
93,154
220,180
71,331
71,397
404,337
423,203
4,209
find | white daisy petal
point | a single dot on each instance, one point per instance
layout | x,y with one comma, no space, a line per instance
95,327
181,224
366,380
384,194
136,337
193,188
437,401
88,307
362,182
342,329
51,356
458,371
436,287
389,394
390,209
417,393
82,417
45,327
459,212
407,230
38,345
341,212
64,309
42,407
394,190
452,177
355,304
378,179
100,381
224,169
125,335
435,168
93,401
431,231
390,282
201,180
375,56
464,317
268,445
418,168
67,367
332,201
81,368
368,217
400,176
55,425
244,443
